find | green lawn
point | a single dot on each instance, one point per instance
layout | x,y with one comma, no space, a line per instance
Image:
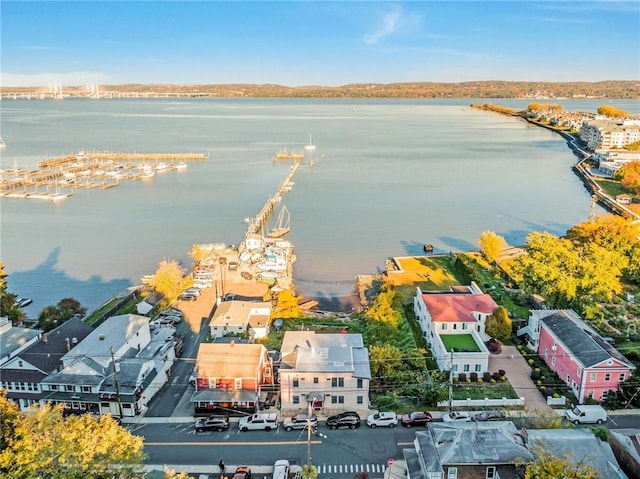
460,341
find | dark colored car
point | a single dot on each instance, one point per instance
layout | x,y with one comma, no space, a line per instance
242,472
346,419
417,418
489,416
212,423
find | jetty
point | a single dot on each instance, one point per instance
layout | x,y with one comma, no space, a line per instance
259,222
88,169
286,155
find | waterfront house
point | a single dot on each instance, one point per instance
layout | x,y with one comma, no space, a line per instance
14,339
116,369
22,373
229,377
605,134
453,324
328,373
240,317
587,363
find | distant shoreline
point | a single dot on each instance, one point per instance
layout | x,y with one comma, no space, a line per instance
622,89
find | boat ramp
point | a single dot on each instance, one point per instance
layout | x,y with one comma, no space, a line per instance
56,179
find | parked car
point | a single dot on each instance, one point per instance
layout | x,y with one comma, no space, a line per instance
193,290
456,416
229,297
257,421
586,414
489,416
416,418
187,297
348,419
212,423
246,275
300,421
281,469
171,312
242,472
382,419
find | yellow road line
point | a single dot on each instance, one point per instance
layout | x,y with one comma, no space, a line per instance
279,443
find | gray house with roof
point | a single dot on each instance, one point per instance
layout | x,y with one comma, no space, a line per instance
116,369
496,450
328,373
22,374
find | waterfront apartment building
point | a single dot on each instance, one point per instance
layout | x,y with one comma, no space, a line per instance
328,373
604,134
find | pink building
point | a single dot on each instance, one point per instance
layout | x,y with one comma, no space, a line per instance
589,365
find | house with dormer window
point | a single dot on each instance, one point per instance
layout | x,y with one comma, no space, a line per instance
240,317
328,373
116,369
453,324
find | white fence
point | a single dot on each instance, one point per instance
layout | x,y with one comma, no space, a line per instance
470,403
561,401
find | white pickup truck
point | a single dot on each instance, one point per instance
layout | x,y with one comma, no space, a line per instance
257,421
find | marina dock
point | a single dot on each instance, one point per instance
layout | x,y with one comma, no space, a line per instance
88,170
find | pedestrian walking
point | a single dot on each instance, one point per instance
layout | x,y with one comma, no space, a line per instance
221,466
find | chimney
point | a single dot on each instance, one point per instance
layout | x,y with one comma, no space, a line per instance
68,344
101,337
74,341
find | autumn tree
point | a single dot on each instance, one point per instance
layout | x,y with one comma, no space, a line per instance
199,253
43,443
169,279
491,244
383,309
557,464
286,305
53,316
629,175
8,307
568,274
499,324
384,360
612,112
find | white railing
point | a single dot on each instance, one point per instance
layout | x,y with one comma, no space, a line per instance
486,402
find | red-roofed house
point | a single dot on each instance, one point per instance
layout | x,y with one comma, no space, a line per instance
229,377
453,323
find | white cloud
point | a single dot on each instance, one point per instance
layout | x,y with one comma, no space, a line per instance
390,22
45,79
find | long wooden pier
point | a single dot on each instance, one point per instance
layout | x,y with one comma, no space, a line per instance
259,222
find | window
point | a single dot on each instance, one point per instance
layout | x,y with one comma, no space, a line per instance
546,353
444,327
605,394
341,399
296,399
53,387
315,380
334,399
359,383
593,377
466,368
296,383
86,389
553,361
69,388
455,326
621,378
579,371
238,383
465,326
454,368
337,382
359,399
478,368
590,395
491,472
607,377
20,363
452,473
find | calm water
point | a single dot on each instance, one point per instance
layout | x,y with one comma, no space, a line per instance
390,176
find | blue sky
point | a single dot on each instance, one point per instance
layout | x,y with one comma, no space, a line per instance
317,42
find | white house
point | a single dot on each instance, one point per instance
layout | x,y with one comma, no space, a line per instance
328,372
238,317
453,324
116,369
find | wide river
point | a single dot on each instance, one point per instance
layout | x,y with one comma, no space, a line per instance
389,176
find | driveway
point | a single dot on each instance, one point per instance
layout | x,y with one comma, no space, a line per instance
518,374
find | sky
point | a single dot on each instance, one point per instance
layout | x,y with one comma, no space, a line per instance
328,43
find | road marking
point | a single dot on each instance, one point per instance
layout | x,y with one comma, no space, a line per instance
278,443
351,468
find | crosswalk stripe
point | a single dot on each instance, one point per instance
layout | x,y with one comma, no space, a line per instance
351,468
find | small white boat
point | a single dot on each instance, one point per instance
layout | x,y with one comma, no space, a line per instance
161,166
22,302
181,166
310,146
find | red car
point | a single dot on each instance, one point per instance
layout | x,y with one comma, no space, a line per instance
417,418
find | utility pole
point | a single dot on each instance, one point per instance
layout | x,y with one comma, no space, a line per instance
451,381
115,382
309,433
